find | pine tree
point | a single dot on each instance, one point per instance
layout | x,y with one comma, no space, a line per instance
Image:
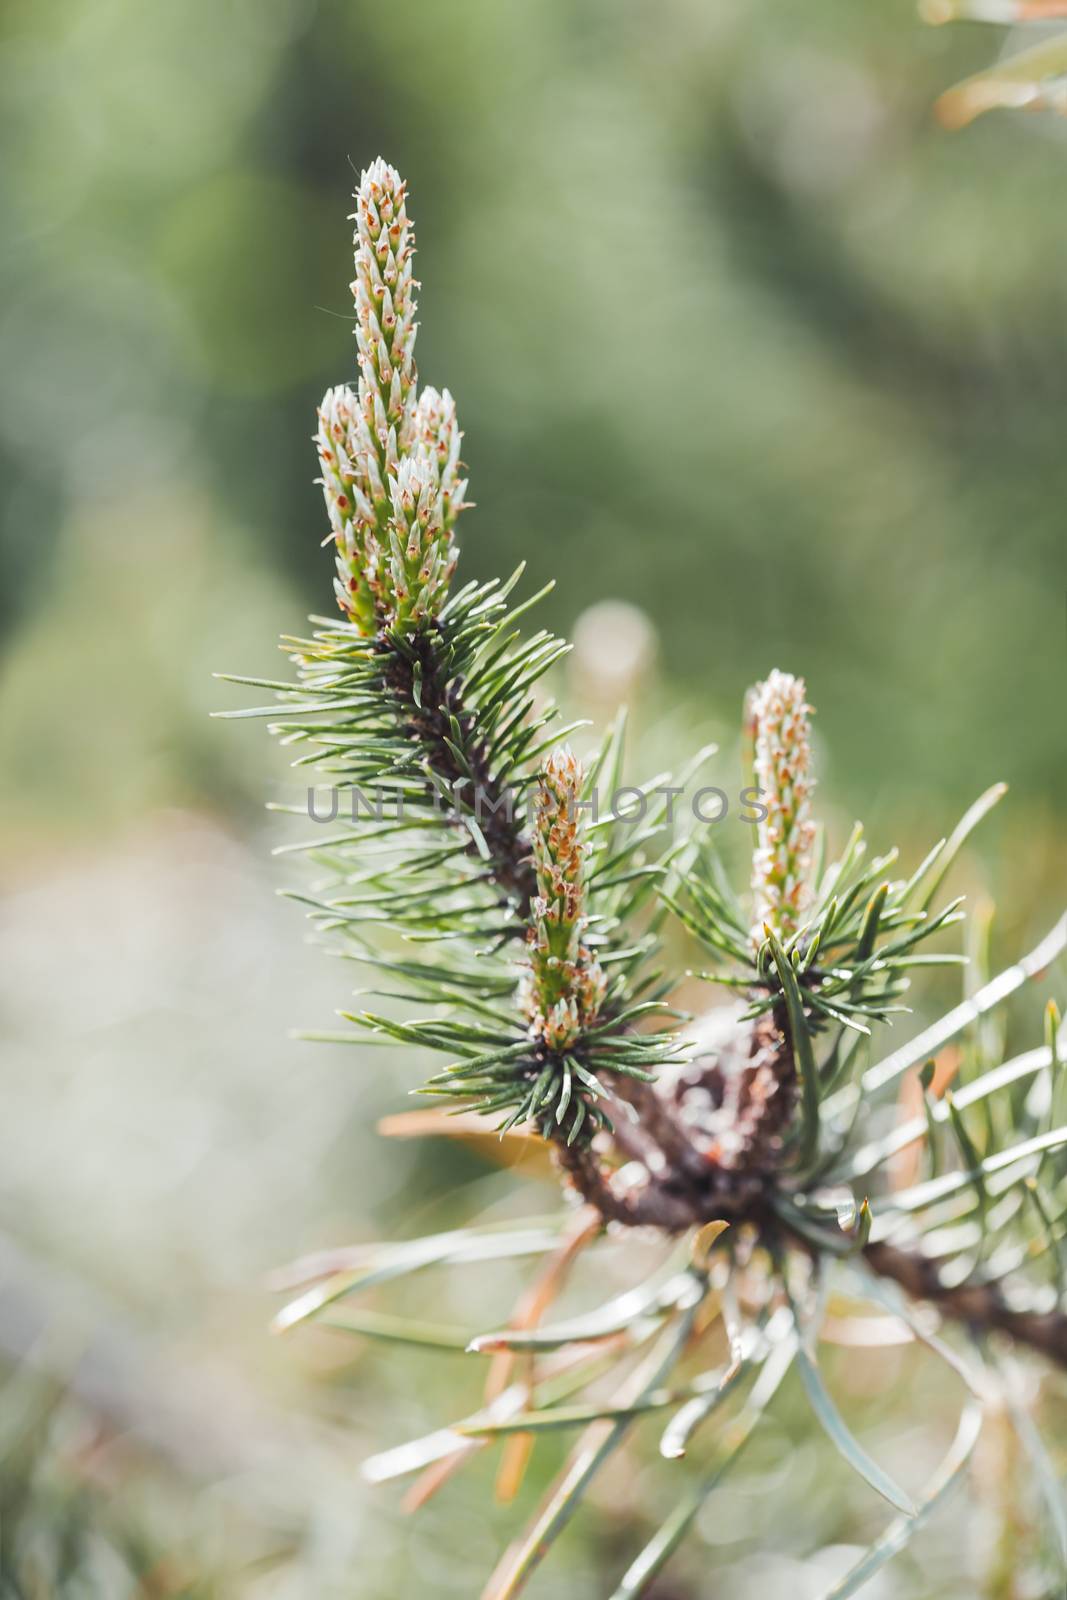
513,915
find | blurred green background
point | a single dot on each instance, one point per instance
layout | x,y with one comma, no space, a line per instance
738,336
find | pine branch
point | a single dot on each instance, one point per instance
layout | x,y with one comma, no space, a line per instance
472,883
435,717
980,1306
651,1206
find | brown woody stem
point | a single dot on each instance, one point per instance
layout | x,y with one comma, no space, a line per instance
979,1304
429,722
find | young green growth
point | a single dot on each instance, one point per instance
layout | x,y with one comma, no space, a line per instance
778,715
389,458
563,986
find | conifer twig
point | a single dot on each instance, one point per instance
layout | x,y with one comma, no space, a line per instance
512,929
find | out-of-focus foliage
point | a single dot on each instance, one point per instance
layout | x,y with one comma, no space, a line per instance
1029,79
707,281
74,1525
738,334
